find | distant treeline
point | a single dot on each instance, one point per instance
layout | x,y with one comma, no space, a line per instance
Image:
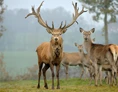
27,34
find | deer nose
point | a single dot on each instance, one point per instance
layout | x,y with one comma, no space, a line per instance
56,39
85,38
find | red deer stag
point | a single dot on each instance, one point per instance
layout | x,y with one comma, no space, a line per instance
99,54
50,53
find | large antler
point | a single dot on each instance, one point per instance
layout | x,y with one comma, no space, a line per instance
38,16
75,16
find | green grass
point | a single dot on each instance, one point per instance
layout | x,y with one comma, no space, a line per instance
70,85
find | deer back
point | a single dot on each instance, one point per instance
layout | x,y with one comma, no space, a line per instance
71,58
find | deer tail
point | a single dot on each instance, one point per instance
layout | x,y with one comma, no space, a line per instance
113,50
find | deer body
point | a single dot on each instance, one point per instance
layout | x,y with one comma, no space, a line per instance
50,53
85,60
98,53
72,59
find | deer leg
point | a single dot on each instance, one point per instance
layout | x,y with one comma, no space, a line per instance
52,70
91,72
113,66
96,74
90,78
39,74
107,77
57,75
114,72
44,75
86,70
100,74
66,70
113,75
115,79
82,71
110,78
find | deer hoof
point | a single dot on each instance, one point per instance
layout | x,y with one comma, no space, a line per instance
46,86
38,86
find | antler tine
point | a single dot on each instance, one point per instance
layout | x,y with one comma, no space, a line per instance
38,16
64,25
52,24
47,25
33,12
38,10
76,11
75,16
29,15
61,24
82,10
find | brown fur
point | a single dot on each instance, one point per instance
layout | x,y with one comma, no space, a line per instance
50,53
86,61
98,53
72,59
46,53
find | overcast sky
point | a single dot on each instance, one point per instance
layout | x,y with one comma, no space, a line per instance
50,4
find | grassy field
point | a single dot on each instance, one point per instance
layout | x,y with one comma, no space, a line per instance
70,85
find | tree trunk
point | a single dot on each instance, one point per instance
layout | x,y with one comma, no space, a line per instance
106,29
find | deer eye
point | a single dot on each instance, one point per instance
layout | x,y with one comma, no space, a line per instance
53,34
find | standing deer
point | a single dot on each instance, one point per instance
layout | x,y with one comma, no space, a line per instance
114,49
99,54
50,53
72,59
86,60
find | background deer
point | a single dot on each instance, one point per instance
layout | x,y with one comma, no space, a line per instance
50,53
106,67
114,49
87,63
72,59
98,53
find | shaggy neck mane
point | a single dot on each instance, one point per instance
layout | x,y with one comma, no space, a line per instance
57,47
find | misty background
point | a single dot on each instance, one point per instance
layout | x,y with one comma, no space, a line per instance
23,36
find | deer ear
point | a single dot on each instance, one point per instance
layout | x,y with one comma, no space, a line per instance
92,30
76,44
81,30
93,39
49,31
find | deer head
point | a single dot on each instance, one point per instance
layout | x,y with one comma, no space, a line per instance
87,34
56,32
80,47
